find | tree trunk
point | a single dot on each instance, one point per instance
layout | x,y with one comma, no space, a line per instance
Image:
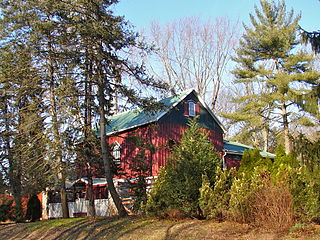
64,202
91,209
265,135
106,161
14,172
16,190
55,126
88,133
287,141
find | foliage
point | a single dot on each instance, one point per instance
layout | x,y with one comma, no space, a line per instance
307,151
305,189
281,190
6,211
179,182
162,196
140,168
3,186
206,200
33,209
242,191
300,170
283,165
252,159
214,202
313,38
63,64
253,176
24,163
276,77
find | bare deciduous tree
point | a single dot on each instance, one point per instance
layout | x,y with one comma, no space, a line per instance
192,53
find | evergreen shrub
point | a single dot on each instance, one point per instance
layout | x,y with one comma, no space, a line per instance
214,202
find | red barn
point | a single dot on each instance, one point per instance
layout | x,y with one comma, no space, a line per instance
141,135
162,130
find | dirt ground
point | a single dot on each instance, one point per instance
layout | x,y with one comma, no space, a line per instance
146,228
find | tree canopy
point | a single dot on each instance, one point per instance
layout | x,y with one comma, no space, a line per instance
64,66
277,75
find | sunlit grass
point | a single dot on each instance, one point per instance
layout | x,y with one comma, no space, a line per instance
53,223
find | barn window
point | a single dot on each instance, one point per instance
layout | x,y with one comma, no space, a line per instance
192,109
116,152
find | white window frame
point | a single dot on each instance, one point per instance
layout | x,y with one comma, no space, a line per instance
192,109
116,152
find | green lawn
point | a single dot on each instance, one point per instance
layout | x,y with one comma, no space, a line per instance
142,228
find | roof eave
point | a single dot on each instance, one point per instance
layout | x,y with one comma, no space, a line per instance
232,152
210,111
154,120
129,128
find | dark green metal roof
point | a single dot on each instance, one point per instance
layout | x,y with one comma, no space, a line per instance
238,148
139,117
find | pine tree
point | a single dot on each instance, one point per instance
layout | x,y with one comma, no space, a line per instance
33,23
268,59
23,139
102,39
179,182
78,50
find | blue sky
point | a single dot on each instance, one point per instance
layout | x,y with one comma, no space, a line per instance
141,12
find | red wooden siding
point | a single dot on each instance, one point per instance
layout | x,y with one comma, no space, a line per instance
231,162
159,135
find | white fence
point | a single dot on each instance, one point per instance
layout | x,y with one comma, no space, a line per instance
79,206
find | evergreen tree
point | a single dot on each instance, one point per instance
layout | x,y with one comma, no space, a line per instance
179,182
3,186
78,49
280,73
22,136
35,24
102,39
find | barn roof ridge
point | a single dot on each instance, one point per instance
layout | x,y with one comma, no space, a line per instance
139,117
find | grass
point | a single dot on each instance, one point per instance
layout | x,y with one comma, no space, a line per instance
143,228
55,223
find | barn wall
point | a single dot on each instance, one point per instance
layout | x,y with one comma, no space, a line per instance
164,133
159,135
232,161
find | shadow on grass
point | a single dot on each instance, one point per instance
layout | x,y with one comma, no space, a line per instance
178,231
122,228
74,231
6,223
14,231
83,228
109,228
52,223
167,236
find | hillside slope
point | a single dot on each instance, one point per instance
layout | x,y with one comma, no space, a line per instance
144,228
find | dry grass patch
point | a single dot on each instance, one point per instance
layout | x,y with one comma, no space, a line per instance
272,208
